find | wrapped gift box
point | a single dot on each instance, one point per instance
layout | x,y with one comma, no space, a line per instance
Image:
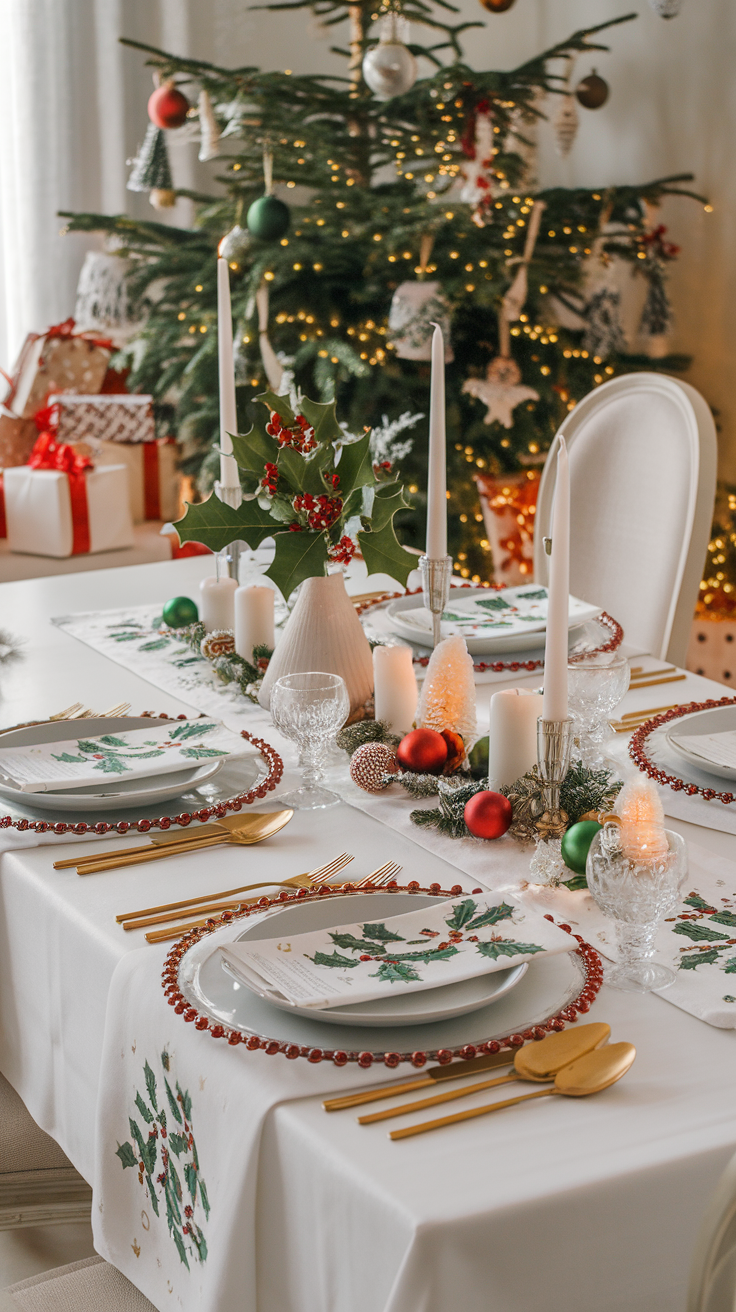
105,418
51,513
153,481
56,361
16,439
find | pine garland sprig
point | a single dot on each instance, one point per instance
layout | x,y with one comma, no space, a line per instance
353,736
448,818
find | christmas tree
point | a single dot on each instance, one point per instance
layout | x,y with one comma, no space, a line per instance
407,200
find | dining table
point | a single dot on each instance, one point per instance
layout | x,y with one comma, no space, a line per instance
575,1203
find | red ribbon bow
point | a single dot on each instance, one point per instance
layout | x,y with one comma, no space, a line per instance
47,453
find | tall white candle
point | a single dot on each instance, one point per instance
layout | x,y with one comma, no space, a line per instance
229,476
395,687
253,620
216,609
558,606
512,738
437,463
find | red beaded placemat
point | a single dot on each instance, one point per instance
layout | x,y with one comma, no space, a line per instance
589,960
638,752
274,771
498,667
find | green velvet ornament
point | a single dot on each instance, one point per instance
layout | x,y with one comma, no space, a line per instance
576,843
268,218
180,611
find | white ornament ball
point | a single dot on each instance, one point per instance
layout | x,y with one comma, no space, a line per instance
389,69
666,8
369,765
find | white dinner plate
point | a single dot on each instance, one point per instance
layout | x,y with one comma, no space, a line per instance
112,796
521,636
719,719
543,988
418,1008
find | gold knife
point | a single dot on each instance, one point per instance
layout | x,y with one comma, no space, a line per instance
435,1074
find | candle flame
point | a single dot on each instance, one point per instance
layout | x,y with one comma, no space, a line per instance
642,821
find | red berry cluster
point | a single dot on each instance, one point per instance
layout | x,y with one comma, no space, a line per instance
271,479
384,465
321,511
343,551
300,437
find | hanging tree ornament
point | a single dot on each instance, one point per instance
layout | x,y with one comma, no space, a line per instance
592,91
477,144
666,8
268,218
271,364
209,128
151,170
565,122
604,335
167,106
415,308
235,244
497,6
389,68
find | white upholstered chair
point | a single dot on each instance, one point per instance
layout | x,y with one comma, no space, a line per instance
642,485
713,1268
38,1184
89,1286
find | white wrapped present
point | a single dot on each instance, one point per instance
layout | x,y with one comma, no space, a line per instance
153,481
53,513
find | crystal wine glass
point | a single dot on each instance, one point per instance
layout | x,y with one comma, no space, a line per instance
596,685
309,709
638,892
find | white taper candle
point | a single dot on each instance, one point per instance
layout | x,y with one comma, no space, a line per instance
558,605
437,462
229,476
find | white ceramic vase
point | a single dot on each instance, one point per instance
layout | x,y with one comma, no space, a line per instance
323,632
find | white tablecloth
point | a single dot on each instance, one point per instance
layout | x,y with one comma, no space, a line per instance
575,1204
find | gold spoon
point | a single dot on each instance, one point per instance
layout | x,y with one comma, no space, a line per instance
595,1071
537,1062
270,824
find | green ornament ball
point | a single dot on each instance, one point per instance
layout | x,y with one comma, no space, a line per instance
180,611
576,842
268,218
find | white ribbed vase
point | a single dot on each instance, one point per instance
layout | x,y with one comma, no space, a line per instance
323,632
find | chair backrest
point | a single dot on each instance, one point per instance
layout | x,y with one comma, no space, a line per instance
713,1268
642,486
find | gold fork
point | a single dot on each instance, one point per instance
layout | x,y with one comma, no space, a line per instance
378,879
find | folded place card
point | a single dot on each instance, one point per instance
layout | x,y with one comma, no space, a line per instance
79,762
443,944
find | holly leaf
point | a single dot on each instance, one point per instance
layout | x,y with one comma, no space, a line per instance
152,1194
724,918
694,900
199,1241
280,404
179,1143
110,741
506,948
215,524
298,556
173,1104
730,966
155,645
461,914
292,467
382,934
145,1113
323,418
698,933
355,466
391,972
322,959
125,1152
190,1175
203,1198
199,752
190,730
699,959
387,499
111,765
254,450
492,916
180,1246
384,554
355,944
186,1101
428,956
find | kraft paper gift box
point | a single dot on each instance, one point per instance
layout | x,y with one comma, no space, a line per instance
17,437
153,481
51,513
56,361
106,418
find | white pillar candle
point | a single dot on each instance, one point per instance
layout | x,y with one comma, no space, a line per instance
395,687
512,737
229,476
437,461
253,620
216,609
558,605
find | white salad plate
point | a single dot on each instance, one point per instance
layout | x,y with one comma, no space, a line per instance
418,1008
541,989
719,719
521,626
112,796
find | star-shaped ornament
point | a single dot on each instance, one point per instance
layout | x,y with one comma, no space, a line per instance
501,390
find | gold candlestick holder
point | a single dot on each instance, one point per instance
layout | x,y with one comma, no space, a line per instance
436,580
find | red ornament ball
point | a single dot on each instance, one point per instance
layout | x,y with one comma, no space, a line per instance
423,750
488,815
167,106
369,765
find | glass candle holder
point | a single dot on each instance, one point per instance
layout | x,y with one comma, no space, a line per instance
595,686
637,893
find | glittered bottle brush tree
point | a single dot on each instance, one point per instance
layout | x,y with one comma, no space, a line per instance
317,492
